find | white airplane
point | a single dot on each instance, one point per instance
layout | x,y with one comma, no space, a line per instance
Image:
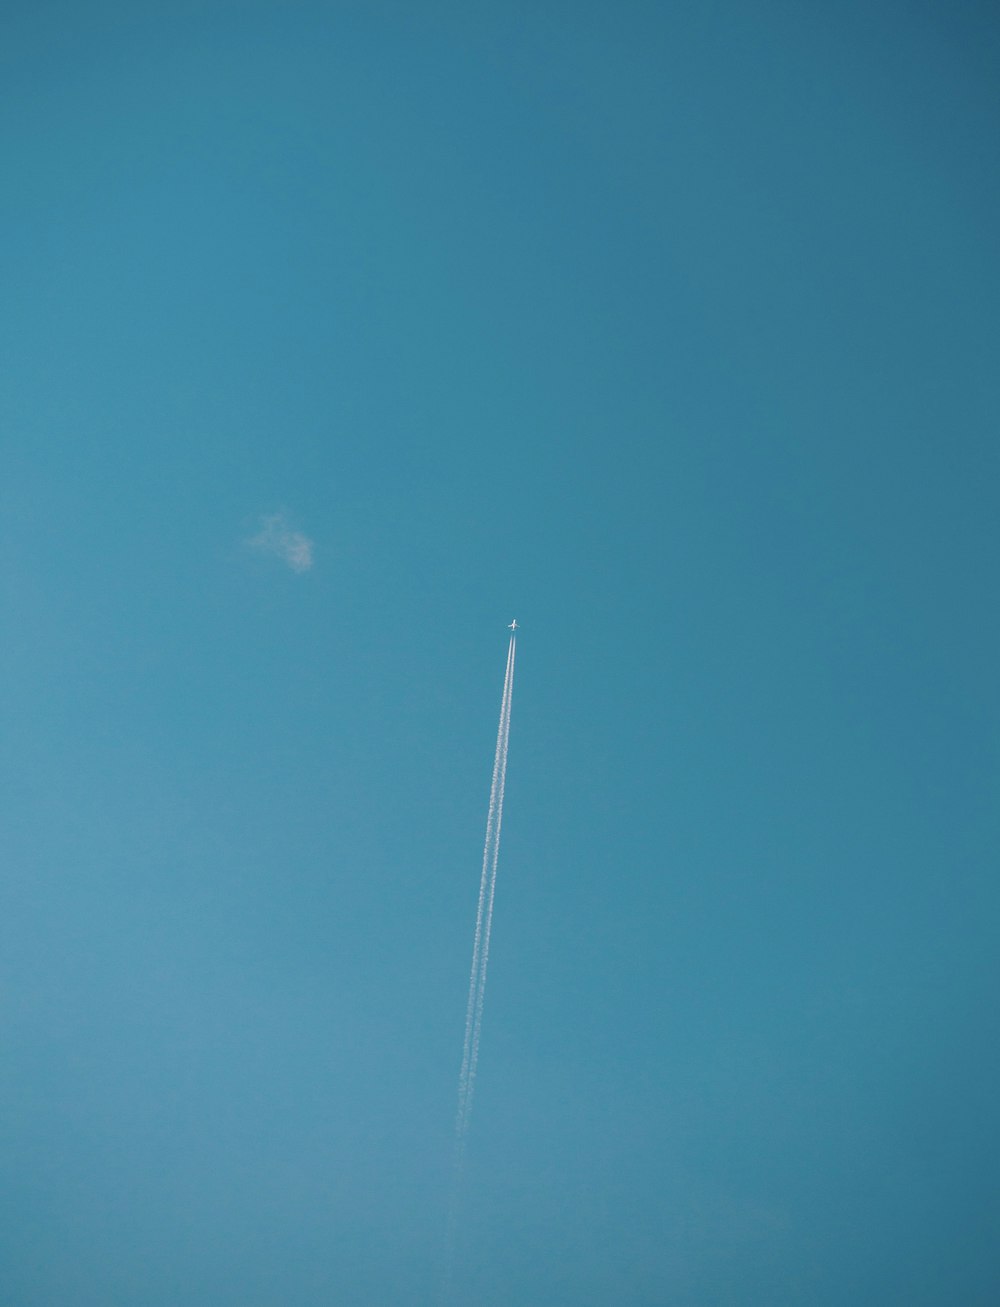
512,627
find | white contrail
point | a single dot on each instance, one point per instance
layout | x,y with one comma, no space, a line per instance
494,854
484,912
480,958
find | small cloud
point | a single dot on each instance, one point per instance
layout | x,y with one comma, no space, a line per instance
277,538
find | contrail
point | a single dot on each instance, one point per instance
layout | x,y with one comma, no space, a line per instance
484,911
491,893
480,960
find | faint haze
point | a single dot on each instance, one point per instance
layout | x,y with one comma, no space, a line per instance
282,541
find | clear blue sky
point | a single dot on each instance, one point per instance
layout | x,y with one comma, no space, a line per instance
669,329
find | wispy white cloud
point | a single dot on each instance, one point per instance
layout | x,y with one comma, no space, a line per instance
277,538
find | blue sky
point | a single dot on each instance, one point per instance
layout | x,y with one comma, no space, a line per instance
334,337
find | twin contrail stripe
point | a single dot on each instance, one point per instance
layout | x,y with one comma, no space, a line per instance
480,959
484,912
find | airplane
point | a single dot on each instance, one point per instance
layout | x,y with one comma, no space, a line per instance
512,627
